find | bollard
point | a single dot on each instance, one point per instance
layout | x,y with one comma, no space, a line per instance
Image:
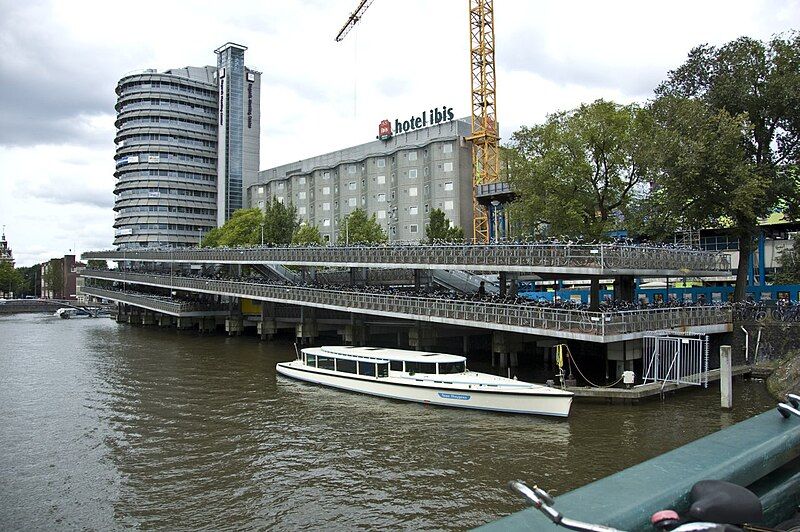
725,377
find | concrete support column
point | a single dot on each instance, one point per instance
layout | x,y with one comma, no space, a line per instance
625,288
422,336
725,377
503,278
207,324
165,320
417,279
358,276
307,329
148,318
594,294
267,326
234,325
183,323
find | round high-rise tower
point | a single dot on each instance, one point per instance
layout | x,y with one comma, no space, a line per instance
166,158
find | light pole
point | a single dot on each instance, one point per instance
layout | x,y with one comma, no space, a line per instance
262,234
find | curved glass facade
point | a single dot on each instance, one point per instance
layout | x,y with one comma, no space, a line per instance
166,158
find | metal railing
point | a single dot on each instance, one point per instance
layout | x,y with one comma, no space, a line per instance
597,259
156,303
675,359
474,313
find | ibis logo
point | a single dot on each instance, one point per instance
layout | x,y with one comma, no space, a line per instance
385,130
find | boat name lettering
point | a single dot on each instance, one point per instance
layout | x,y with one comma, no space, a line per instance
459,396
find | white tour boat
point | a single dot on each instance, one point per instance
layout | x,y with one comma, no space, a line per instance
431,378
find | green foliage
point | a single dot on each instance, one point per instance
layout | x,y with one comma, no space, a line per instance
357,228
53,277
245,227
11,280
307,235
789,259
728,137
29,285
439,230
97,264
578,171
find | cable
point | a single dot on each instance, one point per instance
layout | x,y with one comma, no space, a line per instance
570,360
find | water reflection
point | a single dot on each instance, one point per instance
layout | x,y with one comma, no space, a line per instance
114,427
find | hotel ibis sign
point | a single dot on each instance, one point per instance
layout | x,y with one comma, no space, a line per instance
427,118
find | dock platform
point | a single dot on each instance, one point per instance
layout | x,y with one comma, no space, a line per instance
644,391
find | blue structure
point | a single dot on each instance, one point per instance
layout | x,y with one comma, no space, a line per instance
712,294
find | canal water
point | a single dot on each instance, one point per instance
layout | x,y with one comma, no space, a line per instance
110,427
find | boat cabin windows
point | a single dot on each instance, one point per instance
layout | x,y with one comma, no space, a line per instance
345,365
311,360
396,365
383,369
451,367
326,363
366,368
421,367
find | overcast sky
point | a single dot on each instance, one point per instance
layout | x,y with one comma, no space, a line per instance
60,62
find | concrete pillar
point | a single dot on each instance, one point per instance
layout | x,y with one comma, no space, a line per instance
594,294
148,318
234,325
165,320
725,377
183,323
422,336
624,288
417,279
502,279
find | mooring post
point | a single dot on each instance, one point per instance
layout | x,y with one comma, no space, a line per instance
725,377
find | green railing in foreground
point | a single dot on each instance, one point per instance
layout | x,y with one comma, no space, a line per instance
760,453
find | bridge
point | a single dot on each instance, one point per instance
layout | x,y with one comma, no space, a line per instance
609,260
601,327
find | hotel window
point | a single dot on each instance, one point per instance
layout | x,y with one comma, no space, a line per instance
301,195
381,215
412,192
326,175
326,206
280,186
260,204
412,156
448,205
260,190
413,228
448,167
301,181
381,163
447,148
326,222
351,185
326,191
413,211
301,211
351,169
448,186
381,198
412,174
352,201
381,179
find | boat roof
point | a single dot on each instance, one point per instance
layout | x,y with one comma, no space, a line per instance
387,354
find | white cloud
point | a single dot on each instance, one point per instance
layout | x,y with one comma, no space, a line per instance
60,62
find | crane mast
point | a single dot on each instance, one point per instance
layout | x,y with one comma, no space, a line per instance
484,134
484,137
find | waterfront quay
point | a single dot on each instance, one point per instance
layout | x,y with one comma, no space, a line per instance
425,297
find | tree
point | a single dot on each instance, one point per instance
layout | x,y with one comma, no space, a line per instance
280,222
439,228
789,259
748,93
357,228
307,235
11,279
577,172
246,227
97,264
53,277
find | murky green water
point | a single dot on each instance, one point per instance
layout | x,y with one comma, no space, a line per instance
106,426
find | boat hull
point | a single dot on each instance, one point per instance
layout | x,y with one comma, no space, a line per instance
545,404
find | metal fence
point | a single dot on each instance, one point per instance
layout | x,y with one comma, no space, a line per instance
474,313
598,259
675,359
174,307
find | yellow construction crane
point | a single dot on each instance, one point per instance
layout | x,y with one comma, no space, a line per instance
484,137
